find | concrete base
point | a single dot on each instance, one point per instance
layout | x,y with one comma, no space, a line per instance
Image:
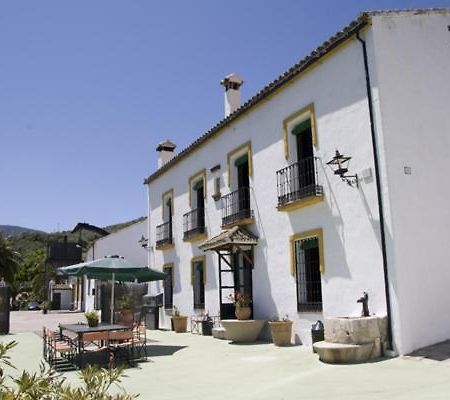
338,353
243,330
219,333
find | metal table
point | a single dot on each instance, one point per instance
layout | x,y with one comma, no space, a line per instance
80,329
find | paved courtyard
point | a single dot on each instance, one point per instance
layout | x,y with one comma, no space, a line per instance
187,366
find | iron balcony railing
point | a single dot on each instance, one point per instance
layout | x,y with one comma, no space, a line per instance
164,233
194,223
298,181
236,206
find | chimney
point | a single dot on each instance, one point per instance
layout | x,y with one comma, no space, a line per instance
232,83
166,152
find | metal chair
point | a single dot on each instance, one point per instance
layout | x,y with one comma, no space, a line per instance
121,346
94,344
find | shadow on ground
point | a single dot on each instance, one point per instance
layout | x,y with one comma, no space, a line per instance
163,350
436,352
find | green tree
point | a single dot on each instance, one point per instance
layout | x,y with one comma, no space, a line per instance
9,260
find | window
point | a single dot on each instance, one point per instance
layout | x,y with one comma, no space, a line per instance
168,286
295,124
297,184
198,278
307,267
194,220
164,230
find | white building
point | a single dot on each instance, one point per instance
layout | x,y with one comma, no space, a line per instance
125,242
308,244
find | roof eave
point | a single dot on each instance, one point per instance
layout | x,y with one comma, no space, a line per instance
313,57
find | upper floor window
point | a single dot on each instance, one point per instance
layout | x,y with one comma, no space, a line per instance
164,231
236,206
299,180
194,220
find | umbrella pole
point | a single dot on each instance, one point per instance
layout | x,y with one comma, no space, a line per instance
112,299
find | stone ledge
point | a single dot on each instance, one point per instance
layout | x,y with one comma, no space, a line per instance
339,353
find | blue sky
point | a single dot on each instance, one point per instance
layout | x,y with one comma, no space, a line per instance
89,87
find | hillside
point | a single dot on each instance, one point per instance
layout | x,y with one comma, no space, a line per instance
12,230
29,241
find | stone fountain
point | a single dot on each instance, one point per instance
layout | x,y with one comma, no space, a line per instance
353,339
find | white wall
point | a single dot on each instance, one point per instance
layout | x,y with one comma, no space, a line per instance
413,70
348,216
123,243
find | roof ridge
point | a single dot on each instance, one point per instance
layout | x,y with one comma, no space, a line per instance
339,37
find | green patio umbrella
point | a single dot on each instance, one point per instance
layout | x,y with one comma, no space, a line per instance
113,268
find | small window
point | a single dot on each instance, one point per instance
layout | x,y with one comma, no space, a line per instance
308,267
168,286
198,282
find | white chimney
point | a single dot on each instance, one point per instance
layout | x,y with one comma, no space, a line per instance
232,83
166,152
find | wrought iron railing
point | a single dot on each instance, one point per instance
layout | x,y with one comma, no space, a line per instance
236,206
298,181
164,233
194,223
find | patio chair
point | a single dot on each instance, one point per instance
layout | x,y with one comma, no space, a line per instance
121,346
55,346
94,345
140,339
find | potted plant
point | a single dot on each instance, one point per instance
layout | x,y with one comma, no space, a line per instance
126,305
281,330
179,321
242,303
92,318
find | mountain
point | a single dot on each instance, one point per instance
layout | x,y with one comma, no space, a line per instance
12,230
29,240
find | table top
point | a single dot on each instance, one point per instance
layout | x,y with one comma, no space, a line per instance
84,328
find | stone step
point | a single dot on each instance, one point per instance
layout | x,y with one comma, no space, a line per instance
338,353
219,333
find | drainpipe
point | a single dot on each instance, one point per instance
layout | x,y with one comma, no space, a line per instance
149,246
378,183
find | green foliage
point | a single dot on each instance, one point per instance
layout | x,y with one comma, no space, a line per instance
9,260
92,318
30,249
48,385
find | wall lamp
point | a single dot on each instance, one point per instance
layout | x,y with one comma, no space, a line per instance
339,163
143,242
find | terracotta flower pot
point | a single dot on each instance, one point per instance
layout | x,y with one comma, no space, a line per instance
127,317
179,324
243,312
281,332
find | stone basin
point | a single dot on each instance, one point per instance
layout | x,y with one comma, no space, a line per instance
242,331
352,339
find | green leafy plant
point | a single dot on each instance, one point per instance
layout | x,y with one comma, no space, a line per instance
240,299
92,318
126,302
49,385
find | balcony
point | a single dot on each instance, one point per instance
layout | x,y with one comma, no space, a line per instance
164,236
297,185
194,225
236,208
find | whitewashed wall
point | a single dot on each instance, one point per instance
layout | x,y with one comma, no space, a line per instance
413,70
123,243
348,216
410,67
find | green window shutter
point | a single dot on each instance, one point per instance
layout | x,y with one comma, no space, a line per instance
310,243
302,127
198,184
241,160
